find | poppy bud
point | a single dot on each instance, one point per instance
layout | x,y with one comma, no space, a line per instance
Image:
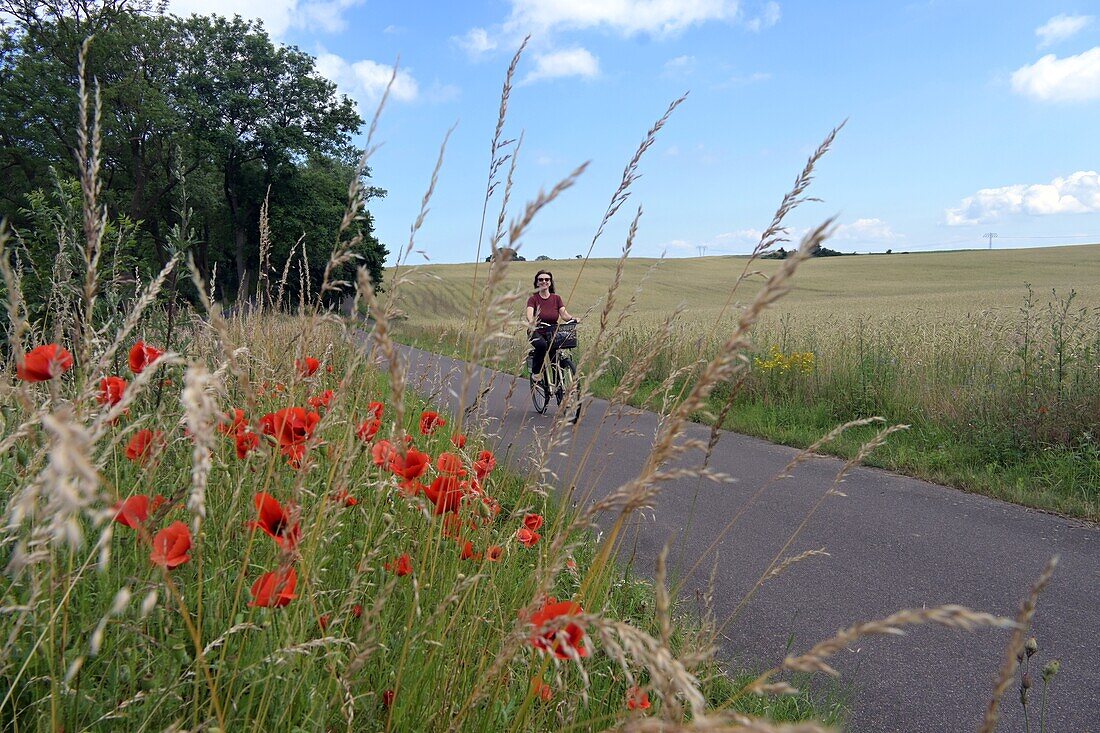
1051,669
1031,646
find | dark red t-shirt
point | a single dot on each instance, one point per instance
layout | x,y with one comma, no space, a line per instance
546,310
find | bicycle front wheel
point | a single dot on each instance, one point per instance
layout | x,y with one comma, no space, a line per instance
567,379
540,393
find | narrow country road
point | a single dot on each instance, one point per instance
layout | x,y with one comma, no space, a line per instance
893,543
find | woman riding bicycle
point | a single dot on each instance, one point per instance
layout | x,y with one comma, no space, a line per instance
544,309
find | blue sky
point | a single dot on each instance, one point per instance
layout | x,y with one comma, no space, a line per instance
964,116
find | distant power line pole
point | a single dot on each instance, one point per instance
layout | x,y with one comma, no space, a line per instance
990,236
702,248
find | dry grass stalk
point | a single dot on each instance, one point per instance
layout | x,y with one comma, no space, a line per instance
263,284
775,233
69,483
1022,624
789,561
865,450
951,616
342,251
286,273
630,174
95,217
200,412
719,724
495,159
17,310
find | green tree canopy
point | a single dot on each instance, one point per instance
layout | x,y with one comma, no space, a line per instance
205,103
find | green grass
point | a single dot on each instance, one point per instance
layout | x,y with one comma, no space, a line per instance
434,637
972,437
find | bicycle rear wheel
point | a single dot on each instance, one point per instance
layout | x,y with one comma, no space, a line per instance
540,393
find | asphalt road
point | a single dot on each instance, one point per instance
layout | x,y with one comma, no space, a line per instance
893,543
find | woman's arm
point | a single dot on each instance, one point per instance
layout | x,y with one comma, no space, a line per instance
563,313
530,318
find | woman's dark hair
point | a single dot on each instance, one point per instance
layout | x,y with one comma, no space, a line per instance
544,272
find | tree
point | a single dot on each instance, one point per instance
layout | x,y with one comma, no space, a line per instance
203,101
542,258
259,111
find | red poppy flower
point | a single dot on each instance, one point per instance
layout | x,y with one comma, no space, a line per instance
274,520
541,690
484,464
468,552
452,525
429,421
551,635
387,698
307,367
323,621
111,390
246,443
381,452
170,545
322,400
532,522
526,537
375,409
446,492
368,429
356,610
451,464
132,511
343,496
410,466
143,445
274,590
637,699
458,440
43,363
292,427
493,553
238,423
142,355
411,488
400,566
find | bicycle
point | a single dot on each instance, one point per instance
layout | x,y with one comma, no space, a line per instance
559,374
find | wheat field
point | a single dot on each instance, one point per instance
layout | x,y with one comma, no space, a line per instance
932,288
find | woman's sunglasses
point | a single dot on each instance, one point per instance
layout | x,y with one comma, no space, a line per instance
543,279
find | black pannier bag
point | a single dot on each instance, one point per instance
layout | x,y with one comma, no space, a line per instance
565,336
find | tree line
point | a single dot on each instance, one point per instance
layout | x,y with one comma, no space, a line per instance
206,122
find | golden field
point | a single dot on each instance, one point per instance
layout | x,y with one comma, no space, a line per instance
932,287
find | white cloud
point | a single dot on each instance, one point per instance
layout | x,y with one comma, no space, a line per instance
277,15
567,62
1051,79
476,42
768,17
679,66
366,80
866,230
1061,27
1078,193
743,80
629,17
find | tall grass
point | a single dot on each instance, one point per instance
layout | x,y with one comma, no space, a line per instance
419,603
